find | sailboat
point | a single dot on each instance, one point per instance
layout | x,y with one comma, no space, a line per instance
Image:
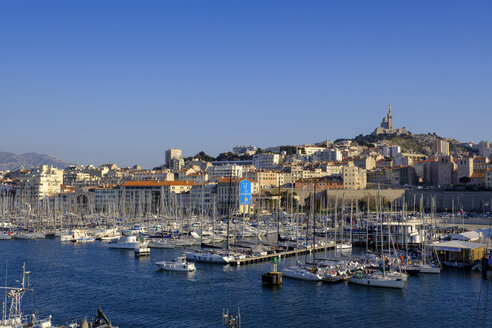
385,278
305,271
214,256
302,272
344,246
425,267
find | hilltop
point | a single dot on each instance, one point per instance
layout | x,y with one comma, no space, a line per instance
413,143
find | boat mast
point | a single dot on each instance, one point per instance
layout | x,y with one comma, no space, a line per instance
278,212
201,217
381,216
335,223
343,219
314,224
326,223
367,224
351,217
229,211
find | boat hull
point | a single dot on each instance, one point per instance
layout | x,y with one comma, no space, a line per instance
176,266
300,274
399,284
430,269
208,258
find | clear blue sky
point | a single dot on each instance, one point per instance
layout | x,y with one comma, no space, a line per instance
95,81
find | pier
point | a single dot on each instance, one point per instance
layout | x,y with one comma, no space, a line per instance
264,258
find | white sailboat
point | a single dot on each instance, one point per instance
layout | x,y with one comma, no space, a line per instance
302,273
425,267
386,278
378,279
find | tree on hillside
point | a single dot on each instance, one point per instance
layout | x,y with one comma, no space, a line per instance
202,156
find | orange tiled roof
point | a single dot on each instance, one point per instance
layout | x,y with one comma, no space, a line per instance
156,183
477,175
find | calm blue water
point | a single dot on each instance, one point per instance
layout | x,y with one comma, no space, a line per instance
71,280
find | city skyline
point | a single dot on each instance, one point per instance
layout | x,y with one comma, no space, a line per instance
94,83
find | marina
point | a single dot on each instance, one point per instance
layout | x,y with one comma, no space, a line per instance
269,257
117,280
233,164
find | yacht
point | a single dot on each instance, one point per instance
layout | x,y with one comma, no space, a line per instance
179,264
210,257
128,242
76,235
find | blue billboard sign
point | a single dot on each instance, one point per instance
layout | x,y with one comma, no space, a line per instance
245,192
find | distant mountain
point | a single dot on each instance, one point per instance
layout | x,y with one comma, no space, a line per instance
11,161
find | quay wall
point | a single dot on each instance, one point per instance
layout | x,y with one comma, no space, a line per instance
472,201
387,195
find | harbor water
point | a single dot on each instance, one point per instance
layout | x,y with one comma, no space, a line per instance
71,280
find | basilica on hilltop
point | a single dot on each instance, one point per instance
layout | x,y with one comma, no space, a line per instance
386,126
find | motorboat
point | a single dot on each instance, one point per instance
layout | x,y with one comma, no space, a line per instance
128,242
412,269
210,256
86,239
179,264
76,235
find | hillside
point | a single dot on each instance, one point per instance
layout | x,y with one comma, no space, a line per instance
11,161
413,143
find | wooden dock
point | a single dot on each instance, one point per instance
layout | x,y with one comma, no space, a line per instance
263,258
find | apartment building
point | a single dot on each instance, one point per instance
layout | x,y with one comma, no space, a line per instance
354,177
39,183
226,170
488,179
266,161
